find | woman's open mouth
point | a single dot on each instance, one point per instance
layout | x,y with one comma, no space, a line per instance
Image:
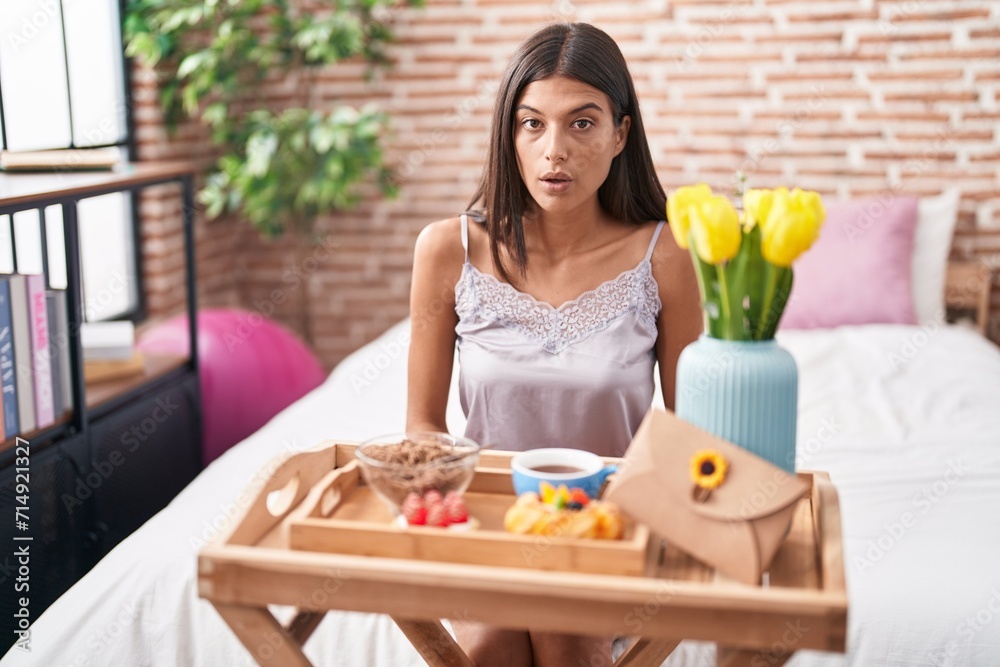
556,183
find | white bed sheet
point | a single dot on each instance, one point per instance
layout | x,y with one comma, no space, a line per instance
907,421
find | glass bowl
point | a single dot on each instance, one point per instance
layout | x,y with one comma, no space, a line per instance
397,465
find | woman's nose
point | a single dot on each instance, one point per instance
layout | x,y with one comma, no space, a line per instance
555,146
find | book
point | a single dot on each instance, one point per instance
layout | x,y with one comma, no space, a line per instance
102,370
58,340
69,159
64,388
107,340
22,352
8,383
41,365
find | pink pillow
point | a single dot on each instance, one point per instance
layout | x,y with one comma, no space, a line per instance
858,270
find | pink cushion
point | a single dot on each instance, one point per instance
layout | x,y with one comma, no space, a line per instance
858,270
251,368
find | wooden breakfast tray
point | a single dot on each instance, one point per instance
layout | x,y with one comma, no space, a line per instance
803,604
343,515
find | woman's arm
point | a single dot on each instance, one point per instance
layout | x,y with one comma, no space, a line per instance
437,265
680,320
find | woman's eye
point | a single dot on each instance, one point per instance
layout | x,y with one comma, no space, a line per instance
531,123
582,124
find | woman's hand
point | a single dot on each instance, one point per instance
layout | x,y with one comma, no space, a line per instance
437,266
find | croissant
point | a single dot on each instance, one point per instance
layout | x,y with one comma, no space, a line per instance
598,519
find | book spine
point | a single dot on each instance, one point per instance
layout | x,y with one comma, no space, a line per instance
65,374
22,353
41,365
8,383
57,339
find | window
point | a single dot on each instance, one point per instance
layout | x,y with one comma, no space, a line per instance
63,85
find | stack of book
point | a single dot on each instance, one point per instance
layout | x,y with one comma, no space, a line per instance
109,351
35,381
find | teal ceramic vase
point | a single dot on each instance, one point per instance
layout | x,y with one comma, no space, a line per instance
745,392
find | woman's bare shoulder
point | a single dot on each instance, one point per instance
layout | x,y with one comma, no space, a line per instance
671,263
438,253
441,241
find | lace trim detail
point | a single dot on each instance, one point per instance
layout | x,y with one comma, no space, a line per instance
634,290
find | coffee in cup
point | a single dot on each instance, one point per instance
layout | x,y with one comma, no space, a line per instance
572,467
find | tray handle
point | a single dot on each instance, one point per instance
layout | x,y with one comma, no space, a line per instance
282,492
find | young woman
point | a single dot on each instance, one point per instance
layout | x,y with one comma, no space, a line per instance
560,290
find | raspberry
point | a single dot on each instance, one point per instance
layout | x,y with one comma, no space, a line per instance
454,504
457,512
432,497
414,510
437,516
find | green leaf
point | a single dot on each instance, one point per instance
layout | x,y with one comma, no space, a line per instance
215,113
190,64
707,285
781,294
260,149
754,272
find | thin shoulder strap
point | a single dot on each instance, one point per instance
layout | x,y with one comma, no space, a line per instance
656,235
465,235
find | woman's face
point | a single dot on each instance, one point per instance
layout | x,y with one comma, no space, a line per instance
565,137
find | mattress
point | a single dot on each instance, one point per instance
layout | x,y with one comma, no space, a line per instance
905,419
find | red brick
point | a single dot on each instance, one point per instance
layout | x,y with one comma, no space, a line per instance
797,35
901,115
812,17
863,54
985,33
934,96
899,37
965,55
943,15
956,135
949,74
981,115
993,157
801,93
808,76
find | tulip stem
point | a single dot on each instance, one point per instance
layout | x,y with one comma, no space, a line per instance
701,271
765,311
727,315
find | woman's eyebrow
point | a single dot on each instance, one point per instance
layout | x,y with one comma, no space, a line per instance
588,105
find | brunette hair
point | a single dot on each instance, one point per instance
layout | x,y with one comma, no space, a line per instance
632,193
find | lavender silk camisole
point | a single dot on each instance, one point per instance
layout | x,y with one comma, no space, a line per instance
533,375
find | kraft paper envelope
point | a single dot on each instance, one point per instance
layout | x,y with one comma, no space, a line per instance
738,529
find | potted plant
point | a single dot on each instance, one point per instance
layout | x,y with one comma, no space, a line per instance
277,168
735,381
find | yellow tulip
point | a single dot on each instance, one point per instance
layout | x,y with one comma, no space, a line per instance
679,209
716,230
791,226
756,205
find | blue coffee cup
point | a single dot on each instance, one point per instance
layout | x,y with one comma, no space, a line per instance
572,467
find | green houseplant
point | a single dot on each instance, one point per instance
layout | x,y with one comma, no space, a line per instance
278,168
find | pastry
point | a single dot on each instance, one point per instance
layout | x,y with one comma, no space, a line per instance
564,515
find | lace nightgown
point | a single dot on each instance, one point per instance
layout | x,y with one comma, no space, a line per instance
533,375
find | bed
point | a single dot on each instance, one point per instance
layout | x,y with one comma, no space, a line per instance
906,419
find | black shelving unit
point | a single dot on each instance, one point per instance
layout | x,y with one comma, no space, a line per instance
94,478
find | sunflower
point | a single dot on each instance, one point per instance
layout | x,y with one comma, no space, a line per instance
708,469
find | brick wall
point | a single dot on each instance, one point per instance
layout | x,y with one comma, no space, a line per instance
849,97
161,221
